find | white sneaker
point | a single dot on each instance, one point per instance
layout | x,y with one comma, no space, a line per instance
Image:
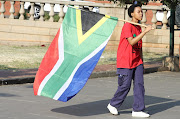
140,114
112,110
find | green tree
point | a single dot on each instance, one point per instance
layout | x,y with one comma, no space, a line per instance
122,2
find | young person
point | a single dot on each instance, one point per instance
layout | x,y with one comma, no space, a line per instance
130,65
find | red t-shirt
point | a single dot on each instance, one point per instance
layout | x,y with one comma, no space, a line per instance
129,56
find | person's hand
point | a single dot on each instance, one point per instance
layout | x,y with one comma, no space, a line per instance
148,28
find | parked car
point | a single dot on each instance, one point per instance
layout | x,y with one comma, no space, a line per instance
47,8
160,15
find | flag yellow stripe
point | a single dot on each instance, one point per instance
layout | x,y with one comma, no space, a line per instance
94,28
79,24
107,16
82,37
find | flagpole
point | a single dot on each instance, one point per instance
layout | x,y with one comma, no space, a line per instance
118,18
132,22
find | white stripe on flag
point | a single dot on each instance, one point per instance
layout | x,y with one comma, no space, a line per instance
65,86
58,64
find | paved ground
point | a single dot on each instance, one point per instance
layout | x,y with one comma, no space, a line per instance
162,100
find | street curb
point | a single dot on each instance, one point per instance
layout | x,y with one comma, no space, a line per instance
102,74
113,73
12,81
155,69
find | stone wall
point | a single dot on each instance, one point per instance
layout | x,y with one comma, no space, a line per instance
25,32
158,41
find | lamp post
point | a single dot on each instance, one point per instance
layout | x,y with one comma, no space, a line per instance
172,22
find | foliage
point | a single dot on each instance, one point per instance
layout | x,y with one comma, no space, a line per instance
56,18
122,2
171,3
46,17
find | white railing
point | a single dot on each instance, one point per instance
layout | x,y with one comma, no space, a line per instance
154,11
61,14
42,3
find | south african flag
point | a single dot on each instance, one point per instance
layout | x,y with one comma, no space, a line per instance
73,54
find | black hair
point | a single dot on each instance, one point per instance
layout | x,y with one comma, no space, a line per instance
132,7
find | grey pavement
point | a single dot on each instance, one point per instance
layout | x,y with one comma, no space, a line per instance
162,100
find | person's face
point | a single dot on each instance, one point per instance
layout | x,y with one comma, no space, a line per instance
137,14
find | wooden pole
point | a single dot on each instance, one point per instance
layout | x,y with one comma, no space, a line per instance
118,19
132,22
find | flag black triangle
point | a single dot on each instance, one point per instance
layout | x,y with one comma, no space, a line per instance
88,21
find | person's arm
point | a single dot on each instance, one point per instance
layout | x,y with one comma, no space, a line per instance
133,41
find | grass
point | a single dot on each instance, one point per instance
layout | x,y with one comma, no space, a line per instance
18,57
109,57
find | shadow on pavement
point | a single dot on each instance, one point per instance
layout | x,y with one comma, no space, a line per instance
162,107
8,95
85,109
30,86
99,107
